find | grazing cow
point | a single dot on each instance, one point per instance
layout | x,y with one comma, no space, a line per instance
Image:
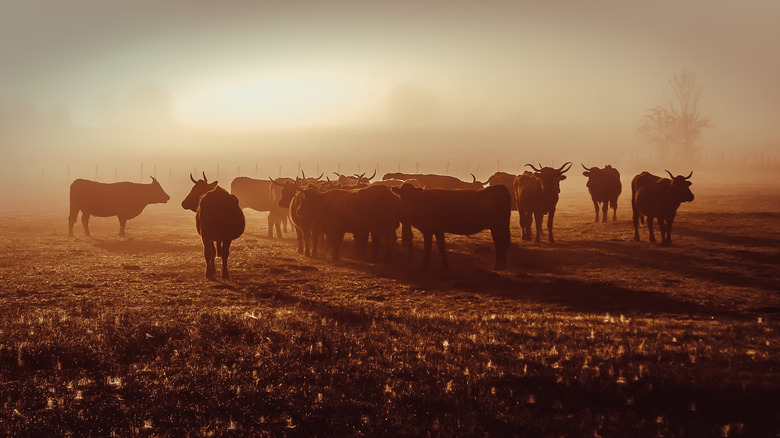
465,212
305,229
367,211
438,181
657,197
604,187
125,200
507,180
261,195
537,195
218,219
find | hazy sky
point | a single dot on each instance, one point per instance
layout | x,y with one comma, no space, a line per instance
323,63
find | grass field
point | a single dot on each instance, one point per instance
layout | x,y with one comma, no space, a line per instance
596,335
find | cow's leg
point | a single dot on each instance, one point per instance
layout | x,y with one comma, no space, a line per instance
427,244
650,228
315,241
501,241
74,214
596,207
406,241
224,255
278,224
635,219
538,218
85,222
613,204
209,253
284,223
666,238
270,225
442,249
526,220
122,222
550,217
361,243
604,208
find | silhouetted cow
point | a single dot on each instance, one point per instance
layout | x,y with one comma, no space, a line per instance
308,236
537,195
355,181
124,200
261,195
465,212
657,197
507,180
437,181
604,187
367,211
218,219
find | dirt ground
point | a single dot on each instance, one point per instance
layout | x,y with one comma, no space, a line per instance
725,264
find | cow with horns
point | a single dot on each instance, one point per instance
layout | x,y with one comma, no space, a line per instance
261,195
537,195
657,197
218,219
124,200
305,227
604,187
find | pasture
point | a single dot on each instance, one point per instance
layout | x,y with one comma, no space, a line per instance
596,335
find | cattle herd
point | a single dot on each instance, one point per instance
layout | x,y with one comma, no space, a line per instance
433,204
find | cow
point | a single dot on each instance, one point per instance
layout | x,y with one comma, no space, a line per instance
507,180
356,181
218,219
305,230
537,194
437,181
124,200
366,211
657,197
465,212
261,195
604,187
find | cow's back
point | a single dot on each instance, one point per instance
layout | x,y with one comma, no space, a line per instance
103,200
463,212
252,193
219,216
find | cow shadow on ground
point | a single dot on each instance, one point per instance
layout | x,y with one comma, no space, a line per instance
465,275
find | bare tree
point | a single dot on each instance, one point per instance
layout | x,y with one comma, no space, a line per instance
677,126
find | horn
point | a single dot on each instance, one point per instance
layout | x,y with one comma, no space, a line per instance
303,173
689,175
535,169
272,180
473,178
297,182
337,174
670,174
372,176
204,176
583,166
193,179
560,169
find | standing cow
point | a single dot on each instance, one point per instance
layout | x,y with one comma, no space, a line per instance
218,219
604,187
261,195
125,200
537,195
305,228
657,197
465,212
507,180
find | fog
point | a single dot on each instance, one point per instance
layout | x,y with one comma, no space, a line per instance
118,91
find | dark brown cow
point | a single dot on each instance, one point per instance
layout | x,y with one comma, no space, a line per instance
218,219
604,187
507,180
367,211
305,229
537,195
464,212
261,195
657,197
124,200
437,181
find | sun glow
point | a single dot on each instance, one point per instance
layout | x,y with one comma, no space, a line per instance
274,101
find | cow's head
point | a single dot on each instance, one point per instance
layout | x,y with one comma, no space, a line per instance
551,178
477,184
288,189
681,187
308,201
409,196
158,194
200,188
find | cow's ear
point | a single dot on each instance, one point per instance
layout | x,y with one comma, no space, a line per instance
586,173
563,177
